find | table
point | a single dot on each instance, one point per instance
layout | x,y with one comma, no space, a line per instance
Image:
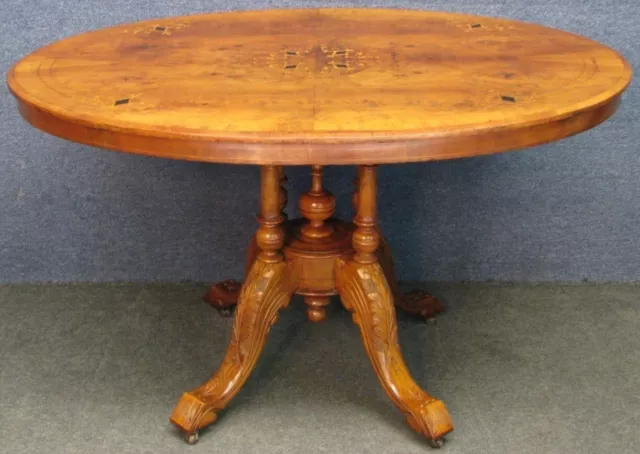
319,87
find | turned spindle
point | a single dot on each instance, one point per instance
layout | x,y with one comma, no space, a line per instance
317,205
366,238
270,235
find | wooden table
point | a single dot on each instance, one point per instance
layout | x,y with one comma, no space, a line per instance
319,87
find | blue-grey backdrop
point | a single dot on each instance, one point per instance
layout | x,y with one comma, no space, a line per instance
565,211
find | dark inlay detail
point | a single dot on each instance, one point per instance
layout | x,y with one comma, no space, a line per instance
119,102
341,52
508,98
341,65
476,25
292,52
291,67
160,29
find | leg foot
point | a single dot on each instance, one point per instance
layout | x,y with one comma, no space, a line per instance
224,296
267,289
421,304
415,302
365,292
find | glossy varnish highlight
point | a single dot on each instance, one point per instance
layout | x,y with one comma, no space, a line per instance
320,86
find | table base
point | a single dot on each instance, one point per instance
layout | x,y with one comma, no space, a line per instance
317,257
224,295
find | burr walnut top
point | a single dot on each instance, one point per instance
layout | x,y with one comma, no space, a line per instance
319,86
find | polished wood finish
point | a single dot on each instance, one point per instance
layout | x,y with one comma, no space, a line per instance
318,257
341,86
319,87
365,292
317,206
316,311
267,289
315,259
270,235
318,273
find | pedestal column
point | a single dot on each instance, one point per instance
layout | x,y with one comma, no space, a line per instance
317,205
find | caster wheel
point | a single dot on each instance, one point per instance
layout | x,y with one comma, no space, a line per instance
192,438
437,444
227,312
431,321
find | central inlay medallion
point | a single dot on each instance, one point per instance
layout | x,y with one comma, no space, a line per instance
319,59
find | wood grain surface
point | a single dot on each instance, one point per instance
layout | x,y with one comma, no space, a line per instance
319,86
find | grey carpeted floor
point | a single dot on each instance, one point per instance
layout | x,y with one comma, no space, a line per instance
522,368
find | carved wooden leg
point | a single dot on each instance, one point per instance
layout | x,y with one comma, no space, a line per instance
365,292
267,288
224,295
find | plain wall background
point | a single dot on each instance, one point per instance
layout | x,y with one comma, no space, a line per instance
564,211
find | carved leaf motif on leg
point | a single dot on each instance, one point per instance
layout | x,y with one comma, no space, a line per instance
365,292
267,289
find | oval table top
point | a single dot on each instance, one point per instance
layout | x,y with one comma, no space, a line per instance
319,86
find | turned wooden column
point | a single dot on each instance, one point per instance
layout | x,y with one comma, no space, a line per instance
365,238
270,235
317,205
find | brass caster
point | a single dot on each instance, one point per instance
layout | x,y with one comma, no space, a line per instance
436,444
225,312
192,438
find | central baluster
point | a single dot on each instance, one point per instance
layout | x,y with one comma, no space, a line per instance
317,205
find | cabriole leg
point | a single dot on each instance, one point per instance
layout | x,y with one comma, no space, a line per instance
267,289
365,292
